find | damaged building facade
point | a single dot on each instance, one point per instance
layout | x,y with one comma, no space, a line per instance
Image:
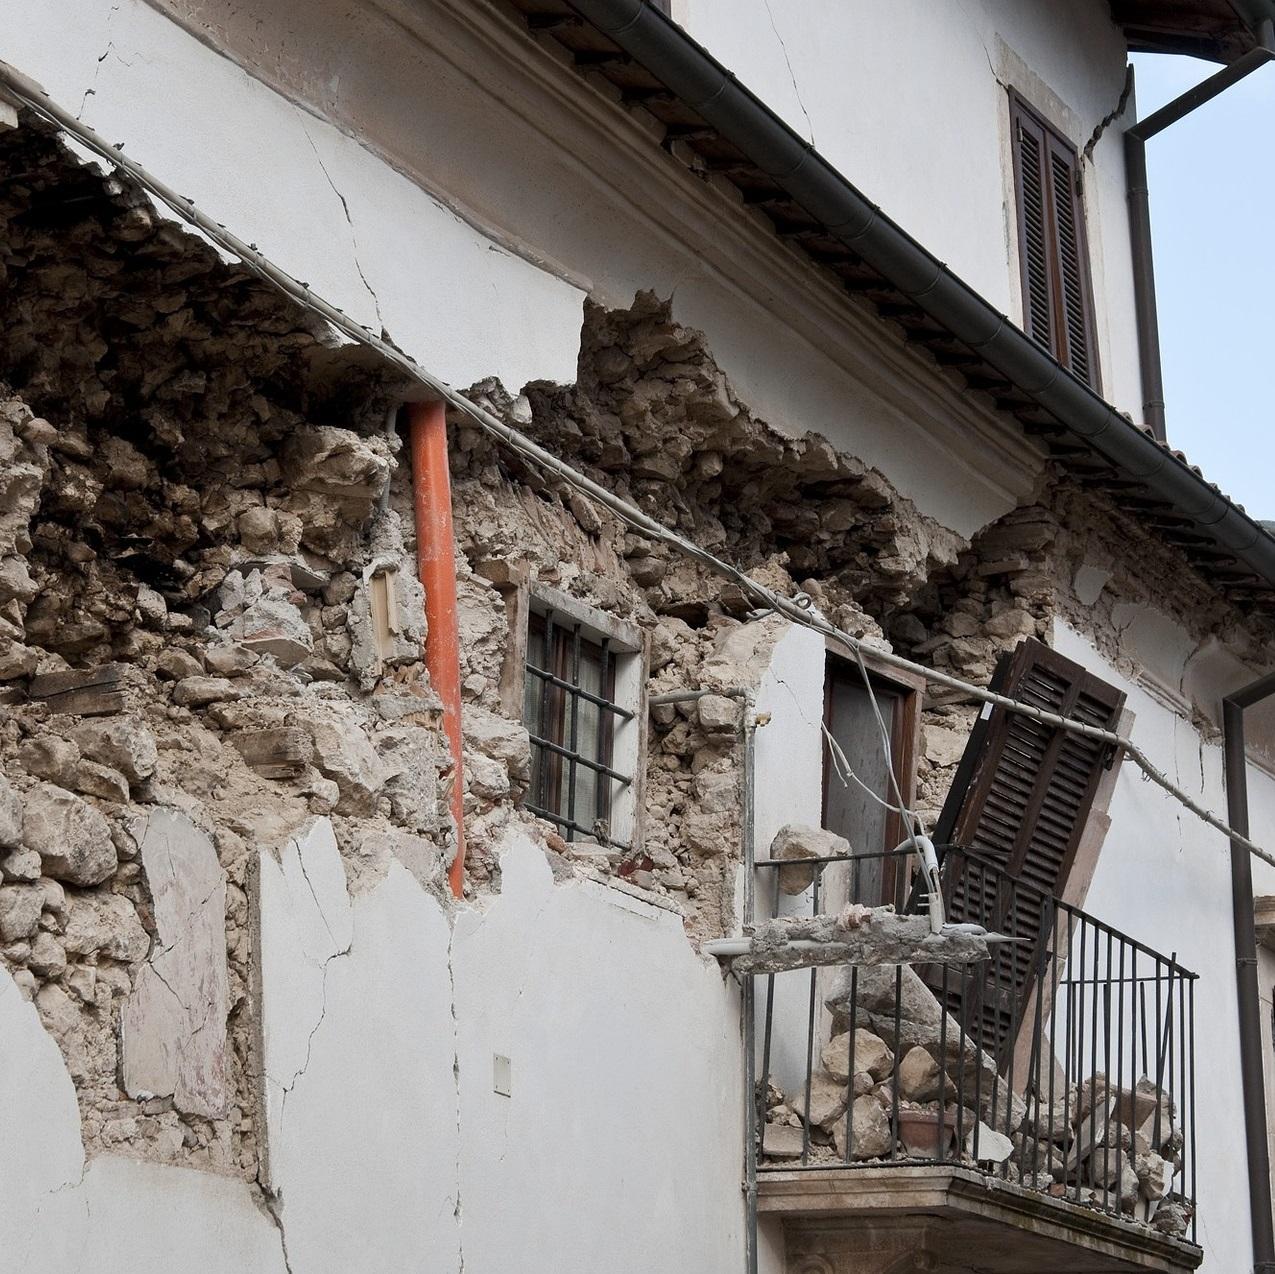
294,977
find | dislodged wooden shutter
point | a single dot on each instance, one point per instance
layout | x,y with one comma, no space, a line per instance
1020,800
1057,297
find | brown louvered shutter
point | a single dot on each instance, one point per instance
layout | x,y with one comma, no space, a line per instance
1057,296
1020,801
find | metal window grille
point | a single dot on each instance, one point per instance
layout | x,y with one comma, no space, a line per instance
571,714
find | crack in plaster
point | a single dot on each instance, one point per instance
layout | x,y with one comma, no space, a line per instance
451,985
314,1030
1114,114
91,91
810,128
273,1207
345,207
318,906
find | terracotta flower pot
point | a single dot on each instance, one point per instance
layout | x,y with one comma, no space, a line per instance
926,1134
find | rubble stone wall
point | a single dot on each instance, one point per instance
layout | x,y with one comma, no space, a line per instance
188,510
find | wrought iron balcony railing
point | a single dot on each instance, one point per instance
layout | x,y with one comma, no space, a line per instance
1064,1063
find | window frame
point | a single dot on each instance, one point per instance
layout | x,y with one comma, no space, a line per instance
630,647
907,690
558,684
1054,143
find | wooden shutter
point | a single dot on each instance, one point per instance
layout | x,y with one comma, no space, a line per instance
1020,801
1054,260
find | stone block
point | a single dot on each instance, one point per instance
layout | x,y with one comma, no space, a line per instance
828,1098
199,692
794,842
123,743
105,924
20,907
779,1141
10,816
340,751
719,714
173,1027
870,1130
870,1055
71,837
48,756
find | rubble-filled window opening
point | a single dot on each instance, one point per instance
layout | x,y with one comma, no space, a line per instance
859,810
580,710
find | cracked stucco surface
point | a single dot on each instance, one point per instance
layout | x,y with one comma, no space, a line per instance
108,1215
381,1018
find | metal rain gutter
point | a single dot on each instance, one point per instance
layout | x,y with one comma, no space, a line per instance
1248,999
695,76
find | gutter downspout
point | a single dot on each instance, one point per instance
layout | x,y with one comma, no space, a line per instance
1250,1024
1150,366
1147,316
436,566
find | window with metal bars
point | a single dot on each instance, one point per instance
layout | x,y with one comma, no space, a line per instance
572,716
1053,256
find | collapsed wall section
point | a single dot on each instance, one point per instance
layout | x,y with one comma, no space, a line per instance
191,483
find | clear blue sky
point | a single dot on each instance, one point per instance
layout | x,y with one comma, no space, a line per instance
1212,178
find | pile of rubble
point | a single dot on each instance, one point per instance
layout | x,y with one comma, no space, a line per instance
1117,1149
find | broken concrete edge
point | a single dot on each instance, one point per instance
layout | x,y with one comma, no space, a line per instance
859,936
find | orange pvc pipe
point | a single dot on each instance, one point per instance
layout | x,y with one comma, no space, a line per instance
436,566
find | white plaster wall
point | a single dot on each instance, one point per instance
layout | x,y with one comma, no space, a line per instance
520,160
1164,878
321,206
388,1147
789,768
908,100
620,1145
114,1215
358,1047
789,753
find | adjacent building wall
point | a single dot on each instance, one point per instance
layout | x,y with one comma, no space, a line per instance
1164,877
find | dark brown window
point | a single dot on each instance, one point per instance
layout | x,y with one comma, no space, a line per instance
571,714
1019,801
849,809
1057,296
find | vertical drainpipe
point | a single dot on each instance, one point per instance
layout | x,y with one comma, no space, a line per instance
1148,322
1250,1022
436,565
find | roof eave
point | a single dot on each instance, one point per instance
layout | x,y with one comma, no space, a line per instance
704,85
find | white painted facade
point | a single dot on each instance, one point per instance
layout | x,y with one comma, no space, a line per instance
438,178
389,1144
847,75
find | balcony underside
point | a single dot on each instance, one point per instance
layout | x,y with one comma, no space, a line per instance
946,1219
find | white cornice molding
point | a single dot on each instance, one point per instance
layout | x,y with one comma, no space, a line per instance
534,82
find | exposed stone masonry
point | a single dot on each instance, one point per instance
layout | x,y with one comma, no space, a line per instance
197,493
188,505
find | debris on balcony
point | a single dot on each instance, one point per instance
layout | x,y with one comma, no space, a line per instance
1097,1145
1081,1089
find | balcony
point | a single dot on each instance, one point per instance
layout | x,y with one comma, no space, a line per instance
1034,1111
